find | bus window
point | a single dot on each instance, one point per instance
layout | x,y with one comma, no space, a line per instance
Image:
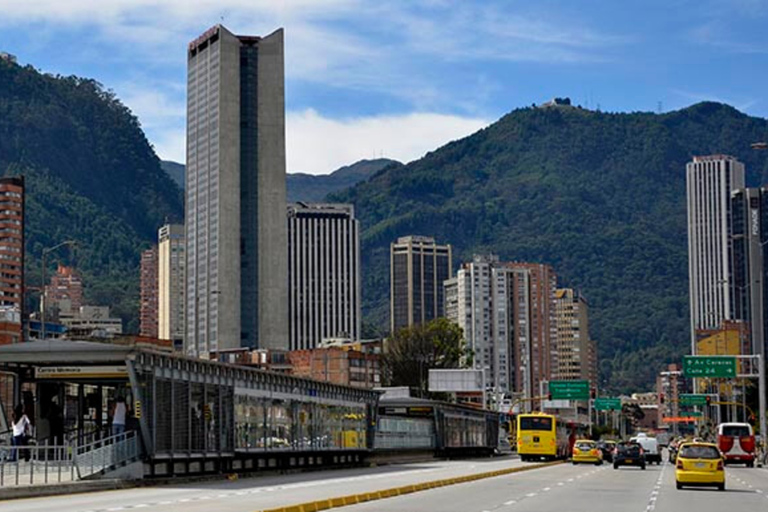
535,423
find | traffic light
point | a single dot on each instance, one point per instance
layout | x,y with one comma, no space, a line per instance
549,396
709,400
661,398
593,393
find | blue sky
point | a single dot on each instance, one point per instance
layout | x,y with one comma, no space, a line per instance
400,78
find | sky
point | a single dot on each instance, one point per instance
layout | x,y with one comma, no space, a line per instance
396,79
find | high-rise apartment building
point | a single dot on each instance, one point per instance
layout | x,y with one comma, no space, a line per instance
12,255
148,294
418,268
323,274
709,182
237,270
171,261
65,292
575,349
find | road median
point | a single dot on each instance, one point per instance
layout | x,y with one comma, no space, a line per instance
353,499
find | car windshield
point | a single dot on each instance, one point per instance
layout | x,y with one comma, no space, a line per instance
736,430
699,452
629,448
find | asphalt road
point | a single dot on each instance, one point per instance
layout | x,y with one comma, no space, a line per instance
569,488
561,488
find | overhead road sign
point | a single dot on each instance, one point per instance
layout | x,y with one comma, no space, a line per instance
607,404
709,366
691,399
569,389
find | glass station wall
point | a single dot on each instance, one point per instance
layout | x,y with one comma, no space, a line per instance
271,424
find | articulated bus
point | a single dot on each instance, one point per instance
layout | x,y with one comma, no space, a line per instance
543,436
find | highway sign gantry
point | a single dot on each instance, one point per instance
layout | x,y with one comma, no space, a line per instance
569,389
709,366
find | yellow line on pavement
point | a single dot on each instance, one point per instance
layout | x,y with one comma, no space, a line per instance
352,499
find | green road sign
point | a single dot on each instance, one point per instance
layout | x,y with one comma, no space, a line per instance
691,414
689,399
709,366
569,389
607,404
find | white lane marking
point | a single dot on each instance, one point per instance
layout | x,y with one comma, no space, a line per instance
570,479
165,503
547,489
510,502
560,483
530,495
141,505
655,492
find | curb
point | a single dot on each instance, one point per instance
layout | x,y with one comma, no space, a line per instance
58,489
353,499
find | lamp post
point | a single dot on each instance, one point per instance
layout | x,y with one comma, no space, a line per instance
47,250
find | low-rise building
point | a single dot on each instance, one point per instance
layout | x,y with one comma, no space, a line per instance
337,366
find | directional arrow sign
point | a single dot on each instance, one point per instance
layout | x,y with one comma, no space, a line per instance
709,366
569,389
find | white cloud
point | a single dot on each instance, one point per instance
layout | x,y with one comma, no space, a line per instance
319,145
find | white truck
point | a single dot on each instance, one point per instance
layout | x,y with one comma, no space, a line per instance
650,447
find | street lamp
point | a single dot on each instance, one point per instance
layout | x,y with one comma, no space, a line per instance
47,250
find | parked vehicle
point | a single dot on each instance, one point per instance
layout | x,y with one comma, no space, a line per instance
629,454
737,443
650,447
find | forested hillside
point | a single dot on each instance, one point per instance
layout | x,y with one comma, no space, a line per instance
599,196
91,176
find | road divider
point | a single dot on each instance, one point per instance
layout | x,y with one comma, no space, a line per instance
353,499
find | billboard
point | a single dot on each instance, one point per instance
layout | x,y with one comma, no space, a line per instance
455,381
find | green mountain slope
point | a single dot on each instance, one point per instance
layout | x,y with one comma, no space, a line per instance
599,196
91,177
309,187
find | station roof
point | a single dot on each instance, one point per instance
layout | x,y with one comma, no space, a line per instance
52,352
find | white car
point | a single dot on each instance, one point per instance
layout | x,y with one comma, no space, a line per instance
650,447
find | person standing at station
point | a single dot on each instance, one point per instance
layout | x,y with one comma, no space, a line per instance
22,427
119,414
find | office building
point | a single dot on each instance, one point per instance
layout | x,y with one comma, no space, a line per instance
65,290
749,235
237,270
171,260
574,348
12,254
148,294
418,268
709,183
323,274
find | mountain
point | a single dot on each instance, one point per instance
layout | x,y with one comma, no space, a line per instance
599,196
309,187
91,176
175,171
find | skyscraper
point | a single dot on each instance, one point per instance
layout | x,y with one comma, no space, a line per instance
237,274
709,182
12,254
323,274
171,261
418,268
148,294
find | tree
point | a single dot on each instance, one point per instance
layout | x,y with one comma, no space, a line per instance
412,351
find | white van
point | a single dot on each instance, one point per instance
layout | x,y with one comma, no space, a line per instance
650,447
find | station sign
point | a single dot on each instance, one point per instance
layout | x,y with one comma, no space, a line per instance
709,366
691,399
81,372
569,389
607,404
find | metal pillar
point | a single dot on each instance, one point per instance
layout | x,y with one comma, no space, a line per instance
761,398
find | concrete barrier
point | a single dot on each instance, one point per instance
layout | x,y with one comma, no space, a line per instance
342,501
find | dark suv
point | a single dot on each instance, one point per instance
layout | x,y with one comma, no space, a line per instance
628,454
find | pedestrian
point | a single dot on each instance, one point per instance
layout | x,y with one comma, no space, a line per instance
119,414
22,428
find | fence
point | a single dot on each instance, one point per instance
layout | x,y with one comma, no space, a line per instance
98,456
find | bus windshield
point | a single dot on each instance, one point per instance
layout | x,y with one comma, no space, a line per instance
536,423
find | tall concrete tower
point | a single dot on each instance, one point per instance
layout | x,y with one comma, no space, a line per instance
709,182
237,273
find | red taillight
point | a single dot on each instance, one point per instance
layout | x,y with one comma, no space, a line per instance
720,465
641,451
725,443
747,443
679,463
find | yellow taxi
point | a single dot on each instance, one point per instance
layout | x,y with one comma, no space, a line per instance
699,464
585,450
